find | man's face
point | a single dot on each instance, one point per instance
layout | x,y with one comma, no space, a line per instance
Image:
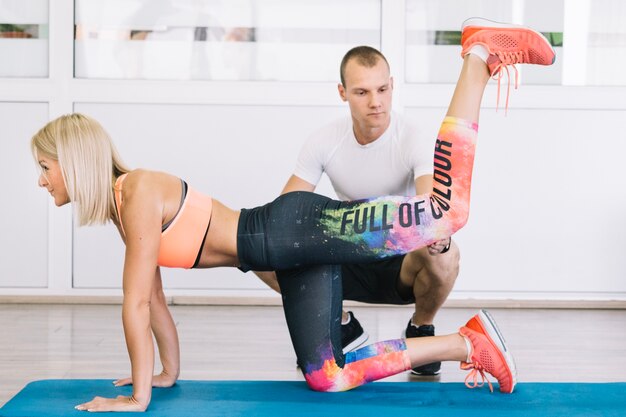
368,93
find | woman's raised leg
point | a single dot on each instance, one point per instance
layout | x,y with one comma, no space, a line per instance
382,227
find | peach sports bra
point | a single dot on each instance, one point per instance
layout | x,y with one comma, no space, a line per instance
182,240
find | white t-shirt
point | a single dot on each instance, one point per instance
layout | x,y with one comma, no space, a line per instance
387,166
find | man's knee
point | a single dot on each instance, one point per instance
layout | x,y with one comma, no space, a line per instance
443,267
449,262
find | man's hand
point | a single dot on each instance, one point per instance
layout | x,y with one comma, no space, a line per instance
437,247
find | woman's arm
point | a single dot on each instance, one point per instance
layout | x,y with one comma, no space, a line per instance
166,335
142,219
164,330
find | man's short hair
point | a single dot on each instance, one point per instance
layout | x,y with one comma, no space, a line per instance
364,55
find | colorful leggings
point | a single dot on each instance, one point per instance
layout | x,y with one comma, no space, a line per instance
304,237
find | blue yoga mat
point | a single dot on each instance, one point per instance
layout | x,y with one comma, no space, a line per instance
291,398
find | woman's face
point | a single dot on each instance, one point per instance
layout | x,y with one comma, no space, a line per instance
52,180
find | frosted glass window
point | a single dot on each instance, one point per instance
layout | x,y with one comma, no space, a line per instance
589,38
282,40
24,38
595,43
433,35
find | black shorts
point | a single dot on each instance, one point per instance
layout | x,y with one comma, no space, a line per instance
374,282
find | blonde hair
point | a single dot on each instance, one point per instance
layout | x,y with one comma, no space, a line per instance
89,164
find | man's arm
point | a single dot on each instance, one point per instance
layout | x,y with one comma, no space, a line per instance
424,184
296,183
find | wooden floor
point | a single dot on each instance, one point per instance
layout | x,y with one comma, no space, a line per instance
252,343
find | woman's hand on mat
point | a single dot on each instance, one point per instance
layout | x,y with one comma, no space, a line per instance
121,403
163,380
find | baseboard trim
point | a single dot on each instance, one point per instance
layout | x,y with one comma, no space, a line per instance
275,301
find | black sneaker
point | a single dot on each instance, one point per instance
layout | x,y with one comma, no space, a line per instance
423,330
352,334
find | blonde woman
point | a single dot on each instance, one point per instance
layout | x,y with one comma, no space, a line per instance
165,222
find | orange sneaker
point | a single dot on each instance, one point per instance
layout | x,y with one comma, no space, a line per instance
511,44
507,45
487,352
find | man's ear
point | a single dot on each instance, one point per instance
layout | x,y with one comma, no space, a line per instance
342,92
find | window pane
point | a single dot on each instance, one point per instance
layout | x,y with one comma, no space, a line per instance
595,43
434,35
221,39
24,38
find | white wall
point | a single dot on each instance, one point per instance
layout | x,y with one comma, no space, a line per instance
23,212
548,191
